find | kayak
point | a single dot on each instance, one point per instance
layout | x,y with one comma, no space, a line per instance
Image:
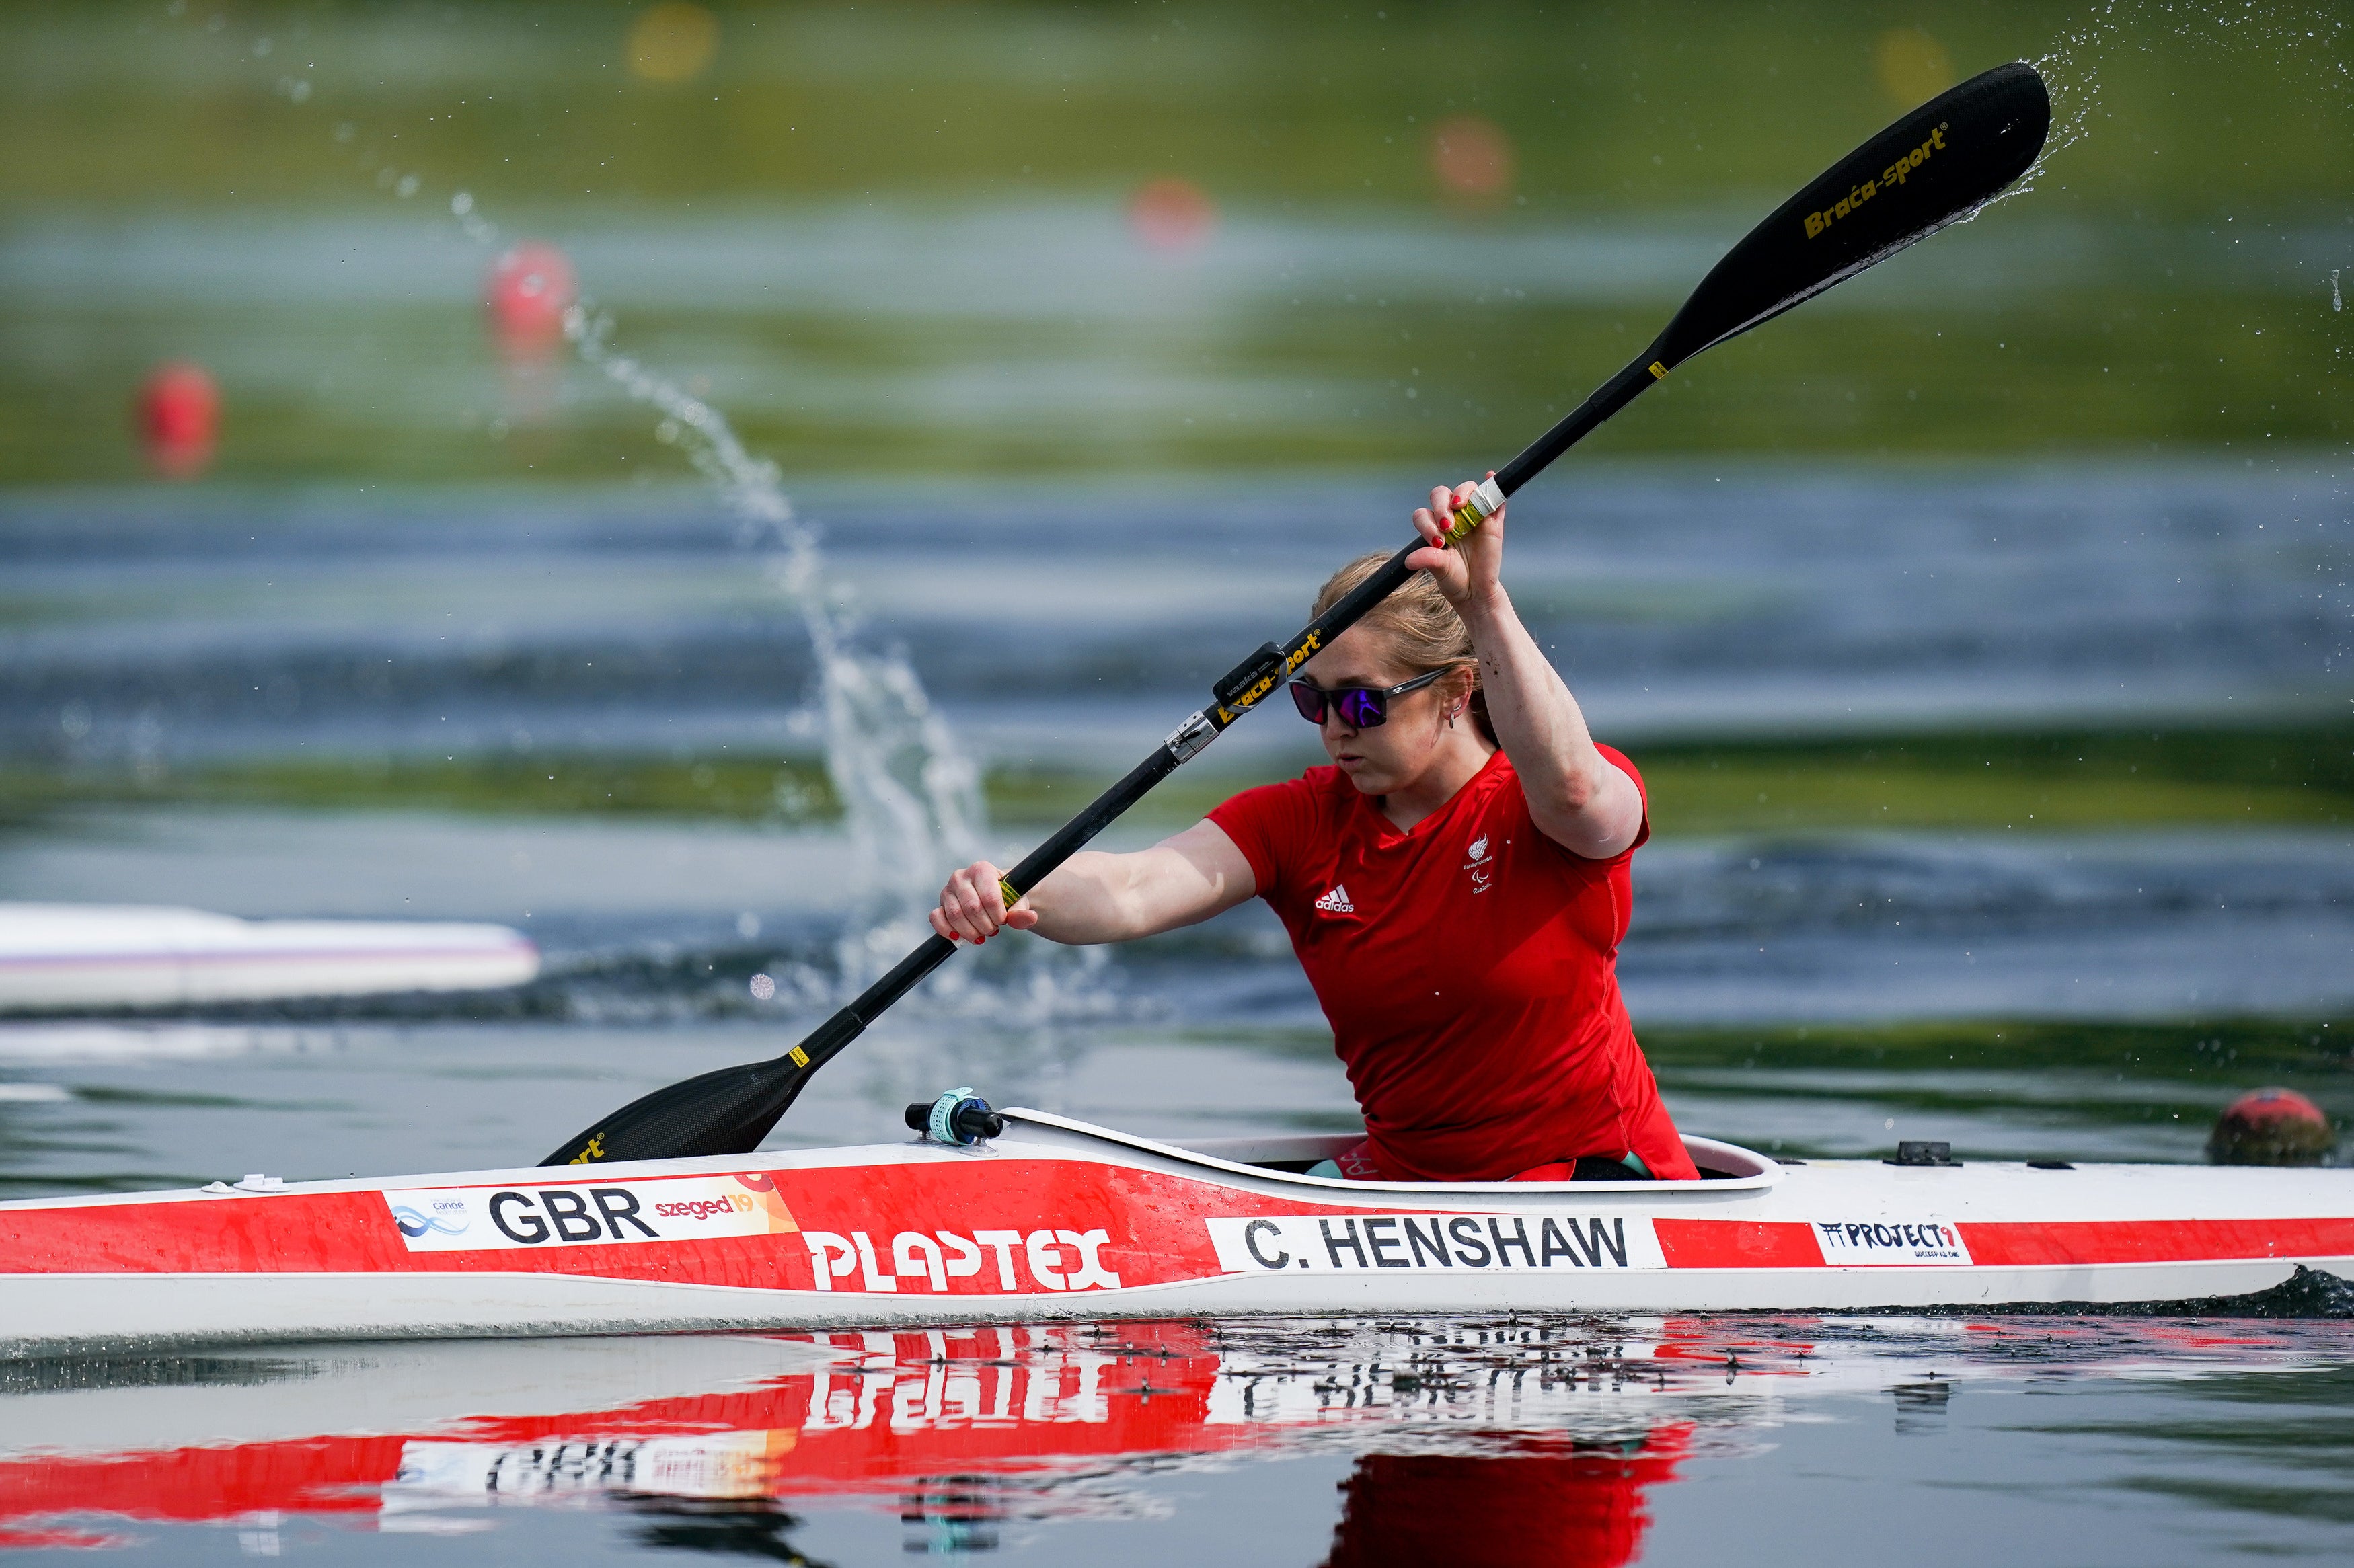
1056,1218
62,956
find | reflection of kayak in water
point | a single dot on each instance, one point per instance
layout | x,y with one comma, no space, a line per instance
1506,1429
948,1428
62,956
1057,1218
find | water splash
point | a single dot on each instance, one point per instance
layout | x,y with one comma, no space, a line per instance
2312,34
910,794
2336,300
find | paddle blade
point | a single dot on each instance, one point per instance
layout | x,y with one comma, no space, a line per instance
1939,163
725,1112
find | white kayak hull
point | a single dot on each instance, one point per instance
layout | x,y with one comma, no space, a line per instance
57,957
1058,1219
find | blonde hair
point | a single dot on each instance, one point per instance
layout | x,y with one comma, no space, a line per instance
1416,625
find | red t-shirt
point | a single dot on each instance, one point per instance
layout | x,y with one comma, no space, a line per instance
1468,970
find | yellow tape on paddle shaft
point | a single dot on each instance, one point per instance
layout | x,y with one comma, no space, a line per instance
1484,501
1006,889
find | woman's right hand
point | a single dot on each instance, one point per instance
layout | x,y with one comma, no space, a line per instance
972,906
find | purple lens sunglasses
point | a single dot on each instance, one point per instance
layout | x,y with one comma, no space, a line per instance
1360,707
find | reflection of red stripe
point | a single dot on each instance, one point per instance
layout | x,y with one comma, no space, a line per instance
2155,1241
1737,1243
316,1475
336,1473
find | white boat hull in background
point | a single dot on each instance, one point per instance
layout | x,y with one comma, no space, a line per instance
60,957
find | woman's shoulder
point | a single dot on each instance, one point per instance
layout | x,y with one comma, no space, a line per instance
1313,790
1625,764
1500,789
1276,824
1501,766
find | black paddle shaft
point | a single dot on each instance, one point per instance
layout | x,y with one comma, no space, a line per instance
1936,165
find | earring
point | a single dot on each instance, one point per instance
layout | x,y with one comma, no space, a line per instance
1450,716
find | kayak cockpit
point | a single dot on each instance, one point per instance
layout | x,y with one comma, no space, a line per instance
1287,1157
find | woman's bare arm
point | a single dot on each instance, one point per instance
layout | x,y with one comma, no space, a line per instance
1099,897
1578,798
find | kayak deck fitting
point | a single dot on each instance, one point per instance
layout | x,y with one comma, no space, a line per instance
1057,1218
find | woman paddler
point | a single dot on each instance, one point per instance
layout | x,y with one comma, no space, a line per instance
1455,885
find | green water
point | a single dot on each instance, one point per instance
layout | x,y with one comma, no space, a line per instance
2025,780
2166,285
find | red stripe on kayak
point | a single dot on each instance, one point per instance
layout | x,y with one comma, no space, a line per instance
1154,1221
1737,1243
2154,1241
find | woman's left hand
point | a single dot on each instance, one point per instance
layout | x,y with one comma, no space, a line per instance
1466,572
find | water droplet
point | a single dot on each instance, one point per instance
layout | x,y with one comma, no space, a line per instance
2337,300
763,987
462,204
407,187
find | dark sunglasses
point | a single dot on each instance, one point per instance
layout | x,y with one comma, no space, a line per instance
1360,707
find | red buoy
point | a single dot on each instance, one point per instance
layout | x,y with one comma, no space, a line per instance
1171,215
178,416
529,289
2272,1126
1473,159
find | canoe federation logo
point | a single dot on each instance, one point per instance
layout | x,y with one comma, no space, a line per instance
1850,1243
448,1218
1529,1243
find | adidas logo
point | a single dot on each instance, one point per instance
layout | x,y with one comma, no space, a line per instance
1336,901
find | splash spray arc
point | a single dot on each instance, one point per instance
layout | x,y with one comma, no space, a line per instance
910,795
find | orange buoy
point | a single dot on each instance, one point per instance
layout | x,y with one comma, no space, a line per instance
178,417
1171,215
529,289
2272,1126
1473,160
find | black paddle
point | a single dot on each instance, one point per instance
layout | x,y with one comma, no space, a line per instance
1939,163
